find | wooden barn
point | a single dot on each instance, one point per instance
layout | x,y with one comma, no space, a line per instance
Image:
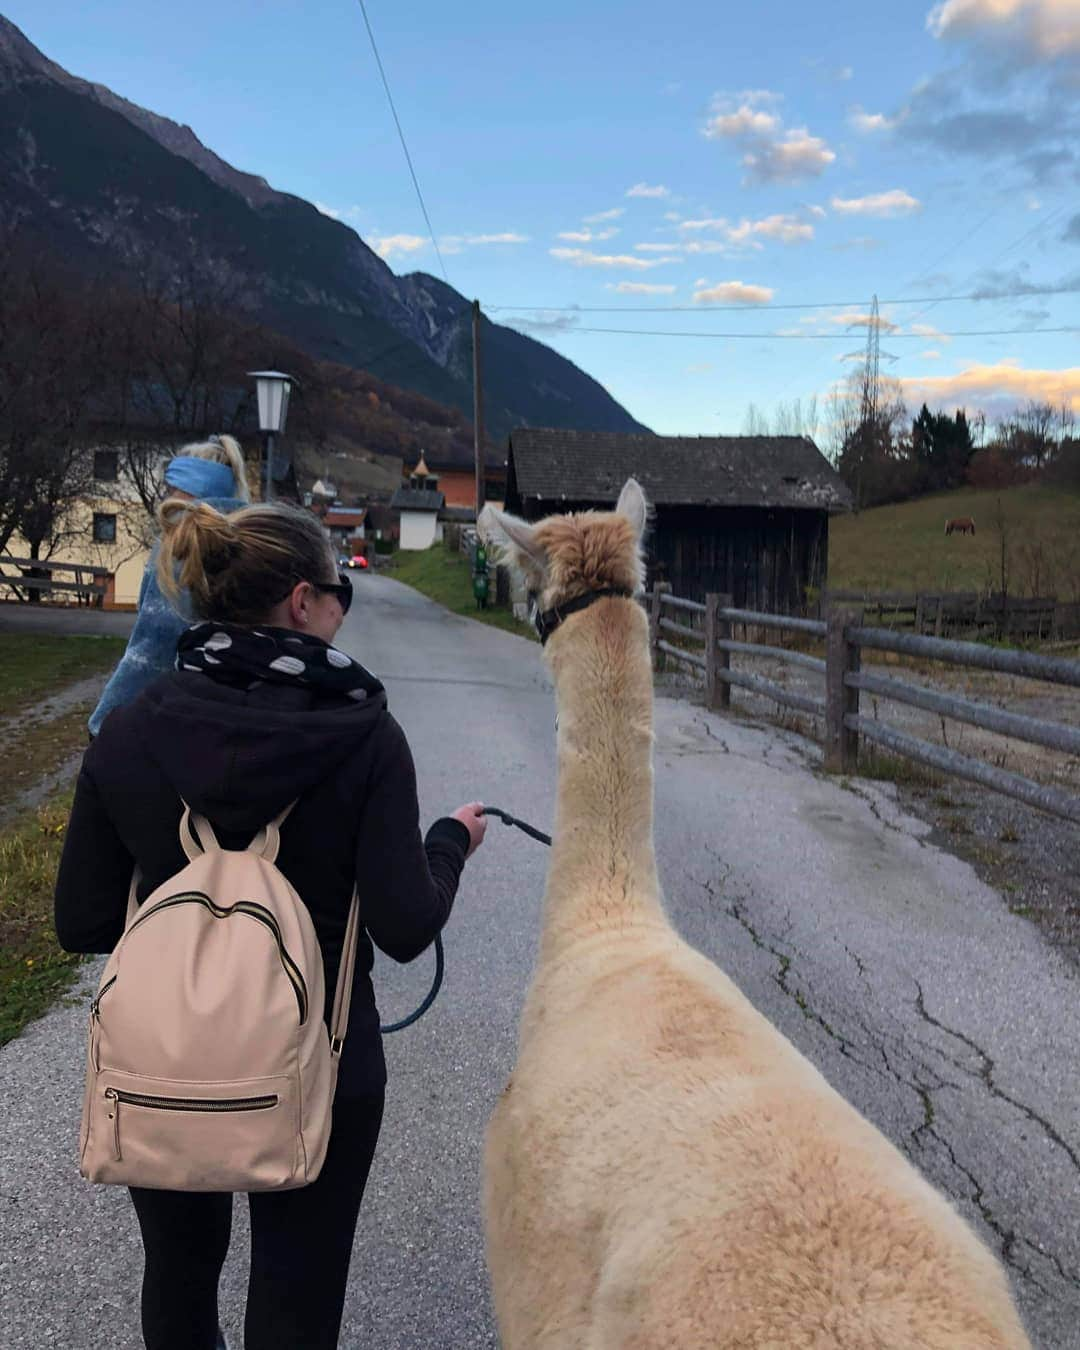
743,515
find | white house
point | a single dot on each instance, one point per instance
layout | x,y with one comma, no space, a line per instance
420,524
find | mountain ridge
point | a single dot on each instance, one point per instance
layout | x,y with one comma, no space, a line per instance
113,185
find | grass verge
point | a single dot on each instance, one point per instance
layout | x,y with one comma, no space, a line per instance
447,578
34,971
33,664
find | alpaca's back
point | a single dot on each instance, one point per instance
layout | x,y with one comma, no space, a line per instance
667,1170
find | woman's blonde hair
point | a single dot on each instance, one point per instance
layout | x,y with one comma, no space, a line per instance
238,567
223,449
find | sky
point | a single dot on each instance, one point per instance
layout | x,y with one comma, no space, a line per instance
587,167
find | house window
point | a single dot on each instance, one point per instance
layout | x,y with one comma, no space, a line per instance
106,466
104,528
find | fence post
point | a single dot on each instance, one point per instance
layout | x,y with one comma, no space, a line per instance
711,652
721,659
841,657
654,620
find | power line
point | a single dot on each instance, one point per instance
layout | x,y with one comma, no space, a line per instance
401,136
757,309
823,337
1026,237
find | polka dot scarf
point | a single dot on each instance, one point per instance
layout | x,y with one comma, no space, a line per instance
244,657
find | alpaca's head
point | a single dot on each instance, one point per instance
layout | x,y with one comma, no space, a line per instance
562,557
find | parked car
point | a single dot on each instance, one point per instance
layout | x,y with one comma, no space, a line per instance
356,561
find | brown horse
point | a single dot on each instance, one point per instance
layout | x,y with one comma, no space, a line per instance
961,524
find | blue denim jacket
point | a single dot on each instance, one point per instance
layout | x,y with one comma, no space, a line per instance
151,649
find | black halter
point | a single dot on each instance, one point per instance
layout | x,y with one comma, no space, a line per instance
546,621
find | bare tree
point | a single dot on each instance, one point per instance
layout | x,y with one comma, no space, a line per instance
50,370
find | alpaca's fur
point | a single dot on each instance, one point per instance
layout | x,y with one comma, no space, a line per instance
664,1169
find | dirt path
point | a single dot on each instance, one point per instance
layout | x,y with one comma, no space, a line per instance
41,746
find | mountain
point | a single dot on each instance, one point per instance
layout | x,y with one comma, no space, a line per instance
115,188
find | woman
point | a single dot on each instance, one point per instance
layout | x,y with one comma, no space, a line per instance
264,710
212,471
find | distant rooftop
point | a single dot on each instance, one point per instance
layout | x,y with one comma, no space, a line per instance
590,466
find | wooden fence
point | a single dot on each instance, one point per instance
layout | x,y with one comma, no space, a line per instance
37,580
706,644
964,613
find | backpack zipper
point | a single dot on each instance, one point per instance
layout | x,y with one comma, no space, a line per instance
95,1006
200,1105
206,1104
254,911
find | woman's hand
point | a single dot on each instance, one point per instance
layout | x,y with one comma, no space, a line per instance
474,821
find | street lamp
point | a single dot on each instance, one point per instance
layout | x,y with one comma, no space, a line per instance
272,388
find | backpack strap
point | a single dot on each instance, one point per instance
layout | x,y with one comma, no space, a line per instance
267,842
133,902
196,834
339,1018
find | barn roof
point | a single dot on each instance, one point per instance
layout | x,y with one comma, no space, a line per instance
591,466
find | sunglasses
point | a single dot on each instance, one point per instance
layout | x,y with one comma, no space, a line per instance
342,588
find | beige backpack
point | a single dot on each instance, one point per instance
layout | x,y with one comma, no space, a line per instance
209,1063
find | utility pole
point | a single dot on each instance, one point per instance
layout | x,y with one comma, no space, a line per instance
478,409
268,492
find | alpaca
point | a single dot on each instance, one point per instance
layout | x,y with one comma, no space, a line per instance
664,1169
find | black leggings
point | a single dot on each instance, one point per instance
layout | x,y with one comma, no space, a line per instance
301,1242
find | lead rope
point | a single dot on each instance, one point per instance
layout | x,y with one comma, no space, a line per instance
440,962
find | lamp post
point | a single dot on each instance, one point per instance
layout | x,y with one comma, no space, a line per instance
272,388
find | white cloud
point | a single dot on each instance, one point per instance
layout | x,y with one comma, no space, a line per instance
786,228
658,248
896,202
644,190
996,388
600,216
733,293
710,246
869,122
818,212
343,213
454,243
639,288
928,330
772,154
587,236
853,319
932,355
581,257
700,368
744,121
394,245
797,155
672,215
1043,29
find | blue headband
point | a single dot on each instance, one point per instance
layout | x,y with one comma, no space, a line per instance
201,477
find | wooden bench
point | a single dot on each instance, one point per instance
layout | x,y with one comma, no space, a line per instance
89,586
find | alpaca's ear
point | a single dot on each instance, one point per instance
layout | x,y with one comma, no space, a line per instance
516,537
633,506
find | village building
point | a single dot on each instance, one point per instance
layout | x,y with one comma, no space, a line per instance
418,506
746,516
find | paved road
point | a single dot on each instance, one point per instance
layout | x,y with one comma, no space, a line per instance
942,1016
15,618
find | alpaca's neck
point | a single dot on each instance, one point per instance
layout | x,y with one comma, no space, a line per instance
603,866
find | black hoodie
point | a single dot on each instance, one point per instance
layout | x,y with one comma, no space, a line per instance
239,757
